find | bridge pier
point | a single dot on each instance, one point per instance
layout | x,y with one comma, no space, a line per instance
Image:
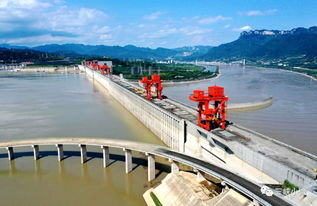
174,166
255,203
36,152
128,160
10,153
199,176
106,156
83,153
60,152
150,167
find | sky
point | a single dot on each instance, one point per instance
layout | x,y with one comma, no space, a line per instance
147,23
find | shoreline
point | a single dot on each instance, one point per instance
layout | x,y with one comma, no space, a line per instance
174,83
286,70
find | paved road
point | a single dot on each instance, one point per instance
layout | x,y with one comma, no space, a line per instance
230,177
245,186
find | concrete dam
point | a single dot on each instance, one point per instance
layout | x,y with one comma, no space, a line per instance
246,152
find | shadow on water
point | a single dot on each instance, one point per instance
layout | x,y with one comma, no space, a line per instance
92,155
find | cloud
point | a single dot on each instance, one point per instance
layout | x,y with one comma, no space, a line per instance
244,28
153,16
161,33
190,31
227,26
258,12
214,19
34,22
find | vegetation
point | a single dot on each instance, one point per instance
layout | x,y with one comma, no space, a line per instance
21,55
294,50
155,199
125,52
290,186
137,69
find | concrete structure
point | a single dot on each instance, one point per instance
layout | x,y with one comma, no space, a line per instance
60,152
182,188
83,153
128,160
248,188
10,153
238,149
36,152
106,157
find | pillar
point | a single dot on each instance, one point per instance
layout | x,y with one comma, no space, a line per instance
182,135
83,153
256,203
10,153
174,166
60,152
199,176
36,152
106,156
150,167
128,160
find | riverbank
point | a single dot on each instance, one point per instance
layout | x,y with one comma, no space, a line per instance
287,70
72,69
174,83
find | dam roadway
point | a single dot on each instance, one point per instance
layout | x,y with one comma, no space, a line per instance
247,187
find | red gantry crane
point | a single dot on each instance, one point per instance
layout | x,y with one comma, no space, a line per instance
105,68
148,83
95,65
211,117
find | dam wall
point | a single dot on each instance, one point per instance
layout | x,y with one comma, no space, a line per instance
228,149
168,127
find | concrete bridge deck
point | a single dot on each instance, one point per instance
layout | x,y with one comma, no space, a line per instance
248,188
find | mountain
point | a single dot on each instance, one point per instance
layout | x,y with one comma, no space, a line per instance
267,45
125,52
191,52
20,55
9,46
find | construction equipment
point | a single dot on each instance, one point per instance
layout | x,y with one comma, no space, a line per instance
103,69
95,65
87,63
211,117
148,83
157,82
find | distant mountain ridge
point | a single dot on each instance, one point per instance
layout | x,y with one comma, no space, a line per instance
9,55
267,44
299,45
125,52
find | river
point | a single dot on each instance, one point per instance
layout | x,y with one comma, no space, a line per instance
66,105
292,117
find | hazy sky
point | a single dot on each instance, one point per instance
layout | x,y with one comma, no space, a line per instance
149,23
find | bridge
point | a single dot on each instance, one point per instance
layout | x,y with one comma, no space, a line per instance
244,186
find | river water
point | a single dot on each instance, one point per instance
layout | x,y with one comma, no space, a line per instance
292,117
66,105
70,105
